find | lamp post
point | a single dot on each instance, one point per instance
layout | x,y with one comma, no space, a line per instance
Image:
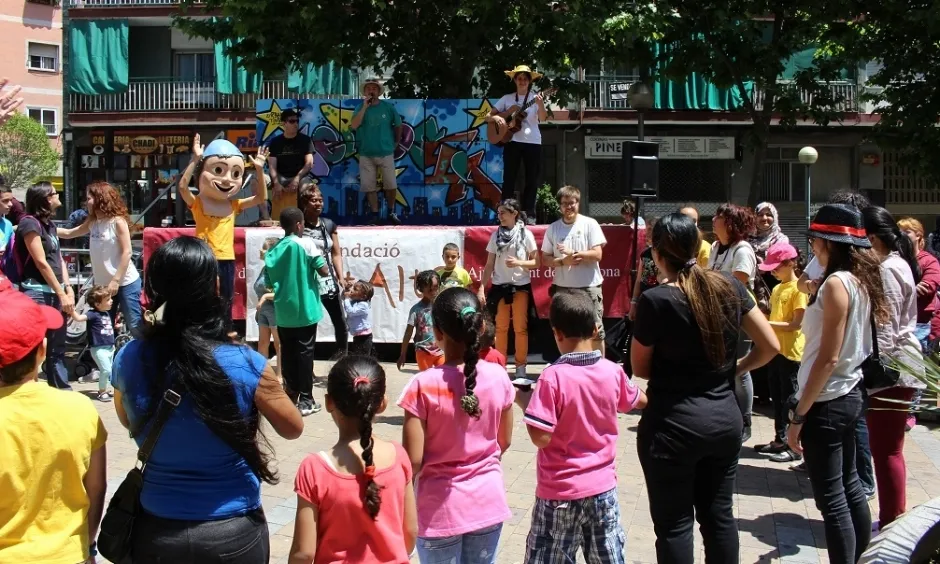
640,98
808,157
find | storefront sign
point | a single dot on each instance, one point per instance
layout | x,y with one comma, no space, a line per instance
689,148
245,139
146,142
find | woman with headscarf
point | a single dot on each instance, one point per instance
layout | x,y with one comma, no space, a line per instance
768,231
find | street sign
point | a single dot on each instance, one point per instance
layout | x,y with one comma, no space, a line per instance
618,91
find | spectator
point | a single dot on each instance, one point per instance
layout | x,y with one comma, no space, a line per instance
378,132
574,247
201,493
6,226
648,274
704,247
75,219
289,162
627,212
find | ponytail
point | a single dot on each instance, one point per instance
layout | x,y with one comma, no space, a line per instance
473,329
371,498
880,223
708,292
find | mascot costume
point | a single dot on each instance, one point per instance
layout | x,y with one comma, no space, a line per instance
220,172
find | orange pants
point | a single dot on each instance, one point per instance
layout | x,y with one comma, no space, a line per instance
518,312
427,360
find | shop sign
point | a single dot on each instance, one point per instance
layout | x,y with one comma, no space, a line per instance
146,142
245,139
675,148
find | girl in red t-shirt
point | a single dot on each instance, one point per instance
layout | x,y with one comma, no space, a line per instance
355,502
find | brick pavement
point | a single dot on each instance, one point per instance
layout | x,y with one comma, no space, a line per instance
777,518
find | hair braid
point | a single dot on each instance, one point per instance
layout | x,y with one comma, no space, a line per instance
371,498
473,324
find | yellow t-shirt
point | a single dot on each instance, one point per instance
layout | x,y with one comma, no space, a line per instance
704,250
218,232
458,277
786,299
46,440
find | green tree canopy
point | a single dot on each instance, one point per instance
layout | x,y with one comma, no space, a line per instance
25,152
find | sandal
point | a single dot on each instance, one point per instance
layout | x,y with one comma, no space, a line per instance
771,448
786,456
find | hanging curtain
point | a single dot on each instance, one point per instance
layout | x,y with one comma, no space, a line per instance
98,56
694,93
231,77
328,79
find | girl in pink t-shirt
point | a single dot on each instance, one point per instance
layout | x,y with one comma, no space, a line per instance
356,502
458,422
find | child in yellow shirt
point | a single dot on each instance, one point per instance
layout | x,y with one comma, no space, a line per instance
452,274
787,305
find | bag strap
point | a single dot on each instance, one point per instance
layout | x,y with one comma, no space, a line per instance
874,339
171,399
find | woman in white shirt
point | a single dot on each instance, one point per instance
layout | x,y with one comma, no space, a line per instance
110,249
512,254
733,254
896,339
828,402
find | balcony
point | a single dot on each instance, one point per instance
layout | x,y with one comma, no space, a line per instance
119,3
599,97
174,96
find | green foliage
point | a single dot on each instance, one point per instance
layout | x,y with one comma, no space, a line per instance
547,209
25,152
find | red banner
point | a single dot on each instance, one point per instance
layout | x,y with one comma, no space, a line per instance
614,266
154,237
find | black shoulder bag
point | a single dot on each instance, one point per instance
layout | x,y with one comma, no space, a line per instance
876,374
117,528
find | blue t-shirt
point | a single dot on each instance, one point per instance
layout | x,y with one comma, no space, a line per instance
192,474
100,329
6,230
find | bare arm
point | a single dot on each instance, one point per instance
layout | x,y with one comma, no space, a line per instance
308,166
504,435
766,346
337,254
119,410
124,244
96,486
356,121
411,518
792,325
276,407
260,197
78,317
539,438
405,340
835,307
303,549
272,168
412,438
487,272
595,254
182,185
543,113
78,231
397,130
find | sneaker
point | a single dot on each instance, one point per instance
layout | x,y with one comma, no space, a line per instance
309,407
93,376
771,448
786,456
393,219
104,396
523,383
801,467
869,494
521,372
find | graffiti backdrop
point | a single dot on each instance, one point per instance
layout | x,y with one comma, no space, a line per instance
447,173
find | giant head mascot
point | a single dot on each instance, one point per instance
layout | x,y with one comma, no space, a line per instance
220,173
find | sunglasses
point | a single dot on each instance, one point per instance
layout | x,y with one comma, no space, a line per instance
292,121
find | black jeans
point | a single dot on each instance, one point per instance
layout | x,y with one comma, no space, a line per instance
828,439
530,155
57,375
866,471
227,287
781,373
361,345
297,345
333,306
239,540
691,477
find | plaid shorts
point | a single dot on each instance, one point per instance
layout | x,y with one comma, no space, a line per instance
560,528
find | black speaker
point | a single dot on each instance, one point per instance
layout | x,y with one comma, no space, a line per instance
640,169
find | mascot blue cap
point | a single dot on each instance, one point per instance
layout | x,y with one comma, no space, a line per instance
221,148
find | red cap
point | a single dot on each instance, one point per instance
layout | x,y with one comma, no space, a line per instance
23,325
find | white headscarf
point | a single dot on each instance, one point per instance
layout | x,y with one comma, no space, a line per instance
766,239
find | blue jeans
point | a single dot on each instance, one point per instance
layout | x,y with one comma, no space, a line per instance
477,547
128,298
56,374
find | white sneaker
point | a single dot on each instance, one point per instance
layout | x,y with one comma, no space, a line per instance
520,371
93,376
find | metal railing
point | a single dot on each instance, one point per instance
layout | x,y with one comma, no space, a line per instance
167,95
120,3
599,97
930,196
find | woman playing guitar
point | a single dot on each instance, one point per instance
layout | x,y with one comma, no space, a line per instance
526,144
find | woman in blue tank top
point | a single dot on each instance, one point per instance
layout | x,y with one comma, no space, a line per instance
202,486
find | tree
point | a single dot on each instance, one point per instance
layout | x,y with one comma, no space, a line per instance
742,45
25,152
435,49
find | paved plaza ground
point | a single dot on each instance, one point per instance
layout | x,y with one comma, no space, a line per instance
777,518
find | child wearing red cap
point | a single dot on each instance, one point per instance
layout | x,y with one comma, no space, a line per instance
52,455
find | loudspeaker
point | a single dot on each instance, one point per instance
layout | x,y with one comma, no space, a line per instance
640,169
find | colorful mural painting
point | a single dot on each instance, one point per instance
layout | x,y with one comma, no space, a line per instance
447,173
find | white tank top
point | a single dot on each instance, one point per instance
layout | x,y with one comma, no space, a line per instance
106,253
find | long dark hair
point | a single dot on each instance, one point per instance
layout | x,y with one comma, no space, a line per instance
676,240
37,200
356,385
457,313
865,266
880,223
182,278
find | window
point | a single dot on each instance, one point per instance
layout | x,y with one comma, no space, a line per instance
47,117
43,57
194,67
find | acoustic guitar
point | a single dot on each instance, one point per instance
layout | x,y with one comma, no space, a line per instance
514,116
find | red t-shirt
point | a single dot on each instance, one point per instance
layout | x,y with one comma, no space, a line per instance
345,531
490,354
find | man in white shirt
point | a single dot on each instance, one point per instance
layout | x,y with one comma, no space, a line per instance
574,246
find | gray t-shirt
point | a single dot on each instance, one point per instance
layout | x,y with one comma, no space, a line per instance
738,257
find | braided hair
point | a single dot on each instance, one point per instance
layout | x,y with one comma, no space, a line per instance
457,313
356,385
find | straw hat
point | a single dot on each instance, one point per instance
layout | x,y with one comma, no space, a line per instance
523,68
376,81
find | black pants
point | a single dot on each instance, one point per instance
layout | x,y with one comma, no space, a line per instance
333,305
239,540
781,375
361,345
297,344
689,477
828,439
227,287
530,155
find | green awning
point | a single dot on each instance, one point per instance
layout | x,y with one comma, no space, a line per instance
329,79
231,77
98,56
693,93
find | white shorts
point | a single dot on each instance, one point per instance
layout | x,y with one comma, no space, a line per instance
368,167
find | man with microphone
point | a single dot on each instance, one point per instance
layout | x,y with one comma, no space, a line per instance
378,131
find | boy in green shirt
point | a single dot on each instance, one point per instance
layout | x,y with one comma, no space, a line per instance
292,268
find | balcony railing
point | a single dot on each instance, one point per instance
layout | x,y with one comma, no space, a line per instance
599,97
167,96
120,3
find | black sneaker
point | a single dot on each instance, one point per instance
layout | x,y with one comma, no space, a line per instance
393,219
771,448
308,407
786,456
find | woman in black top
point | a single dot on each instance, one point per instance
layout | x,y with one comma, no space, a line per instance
685,340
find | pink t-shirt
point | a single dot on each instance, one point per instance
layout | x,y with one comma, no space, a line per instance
460,485
345,531
577,400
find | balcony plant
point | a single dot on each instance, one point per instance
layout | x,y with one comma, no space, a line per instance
546,206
